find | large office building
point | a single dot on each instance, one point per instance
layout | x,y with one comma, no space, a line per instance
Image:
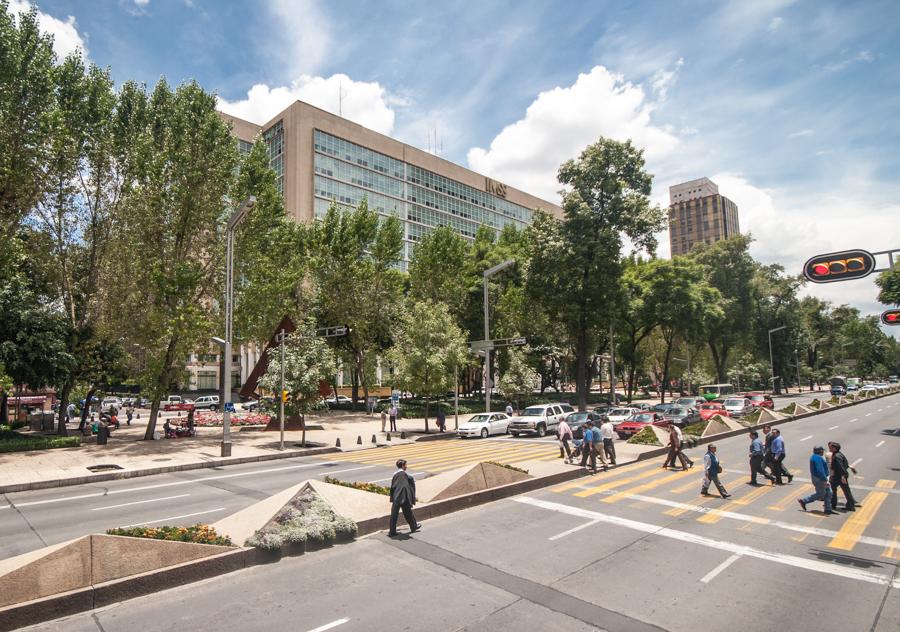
698,213
320,159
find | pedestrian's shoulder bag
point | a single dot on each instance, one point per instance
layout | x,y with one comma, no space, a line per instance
719,468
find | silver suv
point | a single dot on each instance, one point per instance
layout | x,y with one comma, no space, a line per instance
539,419
207,401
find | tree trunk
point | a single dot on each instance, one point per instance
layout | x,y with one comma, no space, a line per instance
354,391
86,409
670,343
162,384
426,415
303,429
632,375
581,377
61,430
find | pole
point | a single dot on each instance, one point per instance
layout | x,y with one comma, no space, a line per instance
226,380
612,368
799,386
487,352
281,395
456,398
772,361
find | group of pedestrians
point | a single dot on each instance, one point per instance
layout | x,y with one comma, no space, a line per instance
598,441
829,475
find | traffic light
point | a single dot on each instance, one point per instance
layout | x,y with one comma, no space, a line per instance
839,266
284,396
891,317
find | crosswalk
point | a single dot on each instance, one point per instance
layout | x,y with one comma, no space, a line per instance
645,486
440,456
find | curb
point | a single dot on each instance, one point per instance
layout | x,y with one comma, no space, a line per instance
436,437
118,475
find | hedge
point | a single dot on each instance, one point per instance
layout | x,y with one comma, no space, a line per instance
11,441
645,437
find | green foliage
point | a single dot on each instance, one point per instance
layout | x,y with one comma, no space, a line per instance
695,429
888,283
198,533
366,487
645,437
519,379
11,441
307,361
790,409
435,269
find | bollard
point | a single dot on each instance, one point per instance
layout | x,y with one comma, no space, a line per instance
138,416
374,440
337,443
388,436
358,439
403,435
179,413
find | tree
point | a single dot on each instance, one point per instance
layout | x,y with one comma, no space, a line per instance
427,352
436,269
889,284
519,379
307,362
635,321
775,304
575,266
169,229
354,259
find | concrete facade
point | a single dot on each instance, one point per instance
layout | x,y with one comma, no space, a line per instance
698,213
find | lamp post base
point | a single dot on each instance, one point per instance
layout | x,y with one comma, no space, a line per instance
226,448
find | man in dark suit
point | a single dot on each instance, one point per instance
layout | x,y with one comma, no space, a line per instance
403,496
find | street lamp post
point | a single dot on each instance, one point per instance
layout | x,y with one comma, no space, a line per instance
487,330
772,357
233,222
799,384
281,336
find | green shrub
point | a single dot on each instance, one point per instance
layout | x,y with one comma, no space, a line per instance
508,466
789,409
645,437
814,404
198,533
753,418
306,518
694,429
12,441
366,487
834,401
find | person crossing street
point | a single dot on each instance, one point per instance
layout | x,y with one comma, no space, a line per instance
564,432
711,469
608,434
840,477
818,470
778,454
757,456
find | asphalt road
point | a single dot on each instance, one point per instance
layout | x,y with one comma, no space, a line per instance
633,549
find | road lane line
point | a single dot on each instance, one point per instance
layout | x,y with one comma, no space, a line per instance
859,460
731,547
854,419
349,469
329,626
579,482
791,498
868,414
721,567
715,515
598,489
806,480
192,481
833,427
573,530
892,551
685,507
140,502
879,444
631,491
850,533
190,515
806,437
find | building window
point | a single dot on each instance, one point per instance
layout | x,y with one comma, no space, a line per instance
274,138
207,380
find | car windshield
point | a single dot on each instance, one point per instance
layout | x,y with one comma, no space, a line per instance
641,417
534,411
620,411
577,417
685,401
478,419
757,398
734,402
675,412
711,406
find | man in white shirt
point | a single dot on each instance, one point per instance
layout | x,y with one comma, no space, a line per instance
509,409
608,434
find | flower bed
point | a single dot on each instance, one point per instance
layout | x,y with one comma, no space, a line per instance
307,518
645,437
206,420
366,487
198,533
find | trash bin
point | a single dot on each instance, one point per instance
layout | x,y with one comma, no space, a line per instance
36,421
102,433
49,422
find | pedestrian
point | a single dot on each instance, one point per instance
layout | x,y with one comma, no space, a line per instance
768,459
393,415
509,409
684,458
383,419
675,440
441,420
818,470
757,455
778,455
129,413
403,497
840,477
70,412
564,432
608,434
711,470
589,448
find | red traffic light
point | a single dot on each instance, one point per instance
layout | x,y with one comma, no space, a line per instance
891,317
839,266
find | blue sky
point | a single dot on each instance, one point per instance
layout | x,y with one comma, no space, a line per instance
791,107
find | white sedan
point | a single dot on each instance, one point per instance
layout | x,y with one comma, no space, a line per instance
620,414
484,425
340,399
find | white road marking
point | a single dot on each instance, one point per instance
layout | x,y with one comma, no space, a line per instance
721,567
879,444
329,626
806,480
854,419
350,469
833,427
778,524
880,409
173,484
731,547
198,513
868,414
806,437
859,460
573,530
139,502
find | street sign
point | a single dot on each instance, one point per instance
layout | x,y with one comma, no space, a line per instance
515,342
480,345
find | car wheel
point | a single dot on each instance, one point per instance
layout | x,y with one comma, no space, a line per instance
541,430
622,436
484,433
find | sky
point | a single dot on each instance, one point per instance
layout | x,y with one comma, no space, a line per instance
791,107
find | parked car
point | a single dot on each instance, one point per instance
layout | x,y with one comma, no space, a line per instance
868,389
690,402
484,425
837,390
893,379
662,408
711,409
637,422
129,401
250,405
539,419
760,400
207,402
577,420
642,406
621,414
602,409
681,416
184,404
109,402
738,406
339,399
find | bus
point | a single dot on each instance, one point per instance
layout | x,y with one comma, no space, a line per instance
715,391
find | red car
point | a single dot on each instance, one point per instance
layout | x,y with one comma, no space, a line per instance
638,422
760,400
711,409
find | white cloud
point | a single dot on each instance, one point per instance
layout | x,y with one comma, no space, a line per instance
800,133
142,3
366,103
663,79
561,122
863,56
298,36
66,38
775,24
